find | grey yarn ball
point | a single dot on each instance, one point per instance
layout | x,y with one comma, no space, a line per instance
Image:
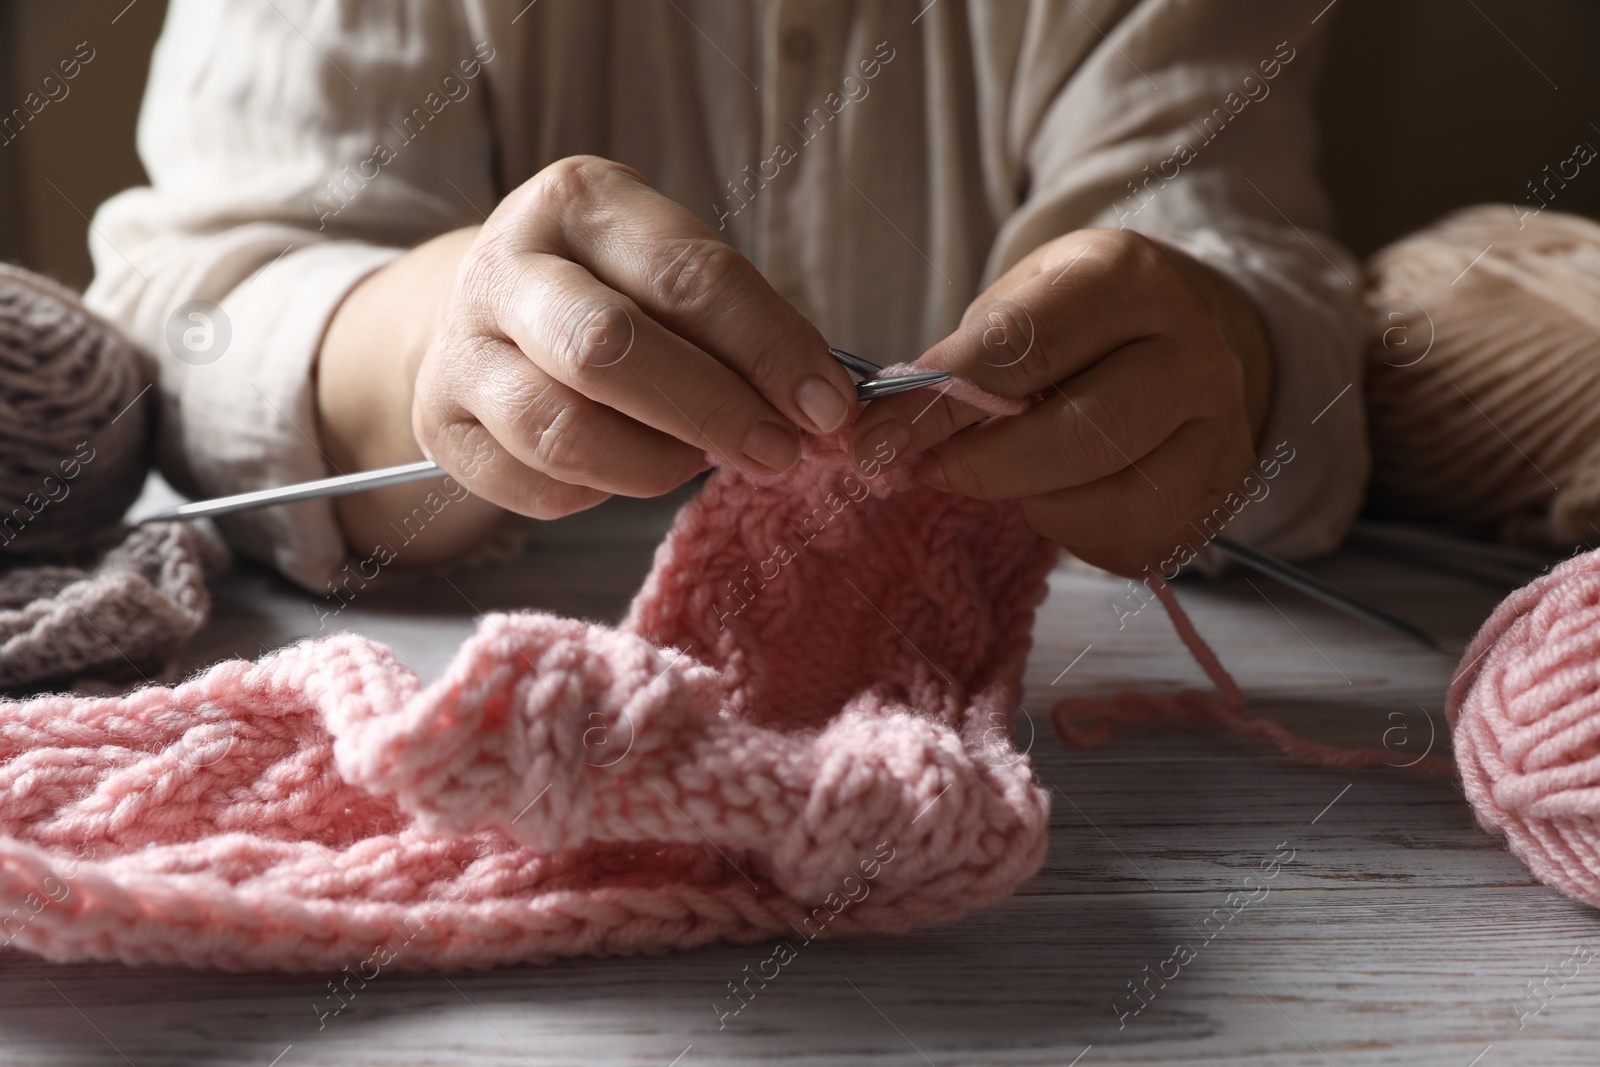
75,418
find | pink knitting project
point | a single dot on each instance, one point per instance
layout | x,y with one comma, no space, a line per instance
801,729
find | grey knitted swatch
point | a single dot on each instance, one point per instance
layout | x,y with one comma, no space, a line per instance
125,613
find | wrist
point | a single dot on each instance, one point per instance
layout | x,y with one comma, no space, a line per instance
374,344
365,382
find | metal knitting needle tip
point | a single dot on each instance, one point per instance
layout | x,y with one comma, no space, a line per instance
1332,595
877,388
864,367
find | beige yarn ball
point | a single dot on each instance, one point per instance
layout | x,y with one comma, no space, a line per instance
1483,377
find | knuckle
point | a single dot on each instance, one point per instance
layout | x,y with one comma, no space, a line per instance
764,365
558,446
695,278
720,423
1086,436
428,425
438,417
721,417
1006,333
570,183
597,334
476,452
519,400
479,283
456,439
1132,255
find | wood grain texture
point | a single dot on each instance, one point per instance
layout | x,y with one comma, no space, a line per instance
1399,933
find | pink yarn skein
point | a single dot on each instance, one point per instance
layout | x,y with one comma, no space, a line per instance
799,741
1525,710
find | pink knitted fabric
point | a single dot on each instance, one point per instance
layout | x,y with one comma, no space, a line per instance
802,728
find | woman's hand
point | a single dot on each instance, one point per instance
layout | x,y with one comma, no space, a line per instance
596,338
1156,380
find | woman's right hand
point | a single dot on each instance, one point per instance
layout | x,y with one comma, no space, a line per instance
599,339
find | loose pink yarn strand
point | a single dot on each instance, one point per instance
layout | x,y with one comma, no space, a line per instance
1085,722
965,390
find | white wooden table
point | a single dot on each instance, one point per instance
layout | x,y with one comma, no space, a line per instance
1399,933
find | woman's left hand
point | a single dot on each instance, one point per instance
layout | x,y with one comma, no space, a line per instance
1156,379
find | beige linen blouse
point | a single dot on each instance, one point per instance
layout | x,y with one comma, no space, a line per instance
879,160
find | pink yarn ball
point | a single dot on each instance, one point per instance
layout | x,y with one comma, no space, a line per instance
1525,710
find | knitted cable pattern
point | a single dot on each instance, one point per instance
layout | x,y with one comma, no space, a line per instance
811,694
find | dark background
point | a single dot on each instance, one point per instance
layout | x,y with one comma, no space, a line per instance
1426,105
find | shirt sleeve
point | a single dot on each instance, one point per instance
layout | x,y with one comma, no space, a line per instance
293,147
1191,122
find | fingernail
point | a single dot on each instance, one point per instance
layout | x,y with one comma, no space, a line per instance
881,444
772,446
930,472
823,404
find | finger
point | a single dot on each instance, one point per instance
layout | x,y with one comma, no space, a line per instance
489,470
896,429
664,258
600,345
1086,428
549,428
1062,307
1057,312
1146,511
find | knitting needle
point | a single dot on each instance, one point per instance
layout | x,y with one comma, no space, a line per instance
864,367
874,387
1496,564
878,388
415,472
1318,589
291,494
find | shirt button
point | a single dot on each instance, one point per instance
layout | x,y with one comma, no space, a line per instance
798,45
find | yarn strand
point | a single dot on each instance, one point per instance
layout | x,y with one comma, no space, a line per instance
1085,722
